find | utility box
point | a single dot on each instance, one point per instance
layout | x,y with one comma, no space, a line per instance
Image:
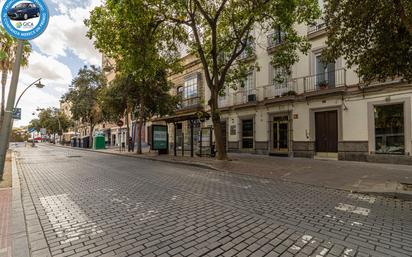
99,142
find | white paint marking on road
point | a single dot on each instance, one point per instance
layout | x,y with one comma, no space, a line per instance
347,252
295,248
323,252
355,223
148,215
353,209
174,197
365,198
69,225
306,238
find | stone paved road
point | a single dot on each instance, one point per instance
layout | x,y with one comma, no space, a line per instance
91,204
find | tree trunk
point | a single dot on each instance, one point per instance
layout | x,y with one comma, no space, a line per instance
4,74
91,136
139,132
217,128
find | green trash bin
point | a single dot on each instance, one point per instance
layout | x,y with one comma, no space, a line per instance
99,142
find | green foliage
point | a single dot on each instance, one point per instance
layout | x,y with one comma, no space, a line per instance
83,95
373,35
218,32
116,98
8,47
52,120
143,46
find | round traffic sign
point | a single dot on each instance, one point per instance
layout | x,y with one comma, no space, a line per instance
120,123
25,19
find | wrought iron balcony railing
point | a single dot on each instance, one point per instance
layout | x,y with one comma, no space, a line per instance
325,80
188,103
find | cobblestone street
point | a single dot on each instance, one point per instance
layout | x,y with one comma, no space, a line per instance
79,203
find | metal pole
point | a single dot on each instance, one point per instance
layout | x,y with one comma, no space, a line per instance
191,138
5,128
175,140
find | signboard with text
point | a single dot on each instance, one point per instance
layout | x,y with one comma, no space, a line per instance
25,19
17,113
160,139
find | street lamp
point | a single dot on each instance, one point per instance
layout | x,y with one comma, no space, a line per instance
37,83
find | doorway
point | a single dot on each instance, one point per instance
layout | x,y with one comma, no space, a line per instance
326,128
280,134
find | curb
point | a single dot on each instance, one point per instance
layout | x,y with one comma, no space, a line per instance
405,196
192,164
390,194
19,237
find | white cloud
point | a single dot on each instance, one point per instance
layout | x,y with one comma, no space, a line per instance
41,66
66,32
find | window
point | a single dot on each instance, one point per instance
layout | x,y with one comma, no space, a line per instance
248,83
190,88
389,129
276,38
247,134
325,73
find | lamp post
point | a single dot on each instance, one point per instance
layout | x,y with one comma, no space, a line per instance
37,83
8,121
5,128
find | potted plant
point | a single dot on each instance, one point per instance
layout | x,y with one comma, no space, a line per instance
290,93
323,84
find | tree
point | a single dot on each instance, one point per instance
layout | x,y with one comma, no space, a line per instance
116,100
52,120
83,96
220,31
373,35
8,47
139,41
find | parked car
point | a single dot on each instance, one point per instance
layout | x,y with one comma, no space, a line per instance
24,11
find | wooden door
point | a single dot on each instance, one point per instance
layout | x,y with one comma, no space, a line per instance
326,126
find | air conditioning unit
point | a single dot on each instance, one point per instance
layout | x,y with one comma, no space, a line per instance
251,98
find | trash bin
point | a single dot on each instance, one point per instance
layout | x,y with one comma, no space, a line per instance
99,142
74,142
85,142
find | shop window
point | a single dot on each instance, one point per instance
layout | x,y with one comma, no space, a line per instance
247,134
389,129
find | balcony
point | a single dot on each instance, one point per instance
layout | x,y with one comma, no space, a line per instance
189,103
277,90
317,29
248,54
328,81
275,39
245,96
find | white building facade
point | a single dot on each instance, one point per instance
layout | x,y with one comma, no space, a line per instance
318,111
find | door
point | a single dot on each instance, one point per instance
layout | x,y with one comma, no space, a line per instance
326,126
280,134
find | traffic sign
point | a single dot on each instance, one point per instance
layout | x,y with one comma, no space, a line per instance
16,113
25,19
120,123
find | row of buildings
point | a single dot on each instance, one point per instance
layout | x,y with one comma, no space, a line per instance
318,111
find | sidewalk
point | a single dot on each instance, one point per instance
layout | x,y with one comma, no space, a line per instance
386,179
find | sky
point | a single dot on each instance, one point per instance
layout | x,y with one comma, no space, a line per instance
57,56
